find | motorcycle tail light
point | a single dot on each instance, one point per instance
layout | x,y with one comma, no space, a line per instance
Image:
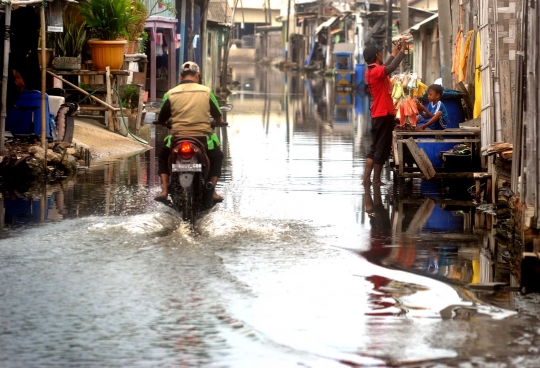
186,151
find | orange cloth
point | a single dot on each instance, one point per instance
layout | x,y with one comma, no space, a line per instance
456,61
463,61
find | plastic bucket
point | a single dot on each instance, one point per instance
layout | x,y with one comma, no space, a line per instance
25,116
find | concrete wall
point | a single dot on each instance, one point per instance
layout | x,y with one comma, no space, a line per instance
241,55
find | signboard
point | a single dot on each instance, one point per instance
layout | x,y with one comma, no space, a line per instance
54,17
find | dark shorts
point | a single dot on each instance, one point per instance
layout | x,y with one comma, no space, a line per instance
215,156
381,136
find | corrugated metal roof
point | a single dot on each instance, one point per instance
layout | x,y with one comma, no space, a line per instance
219,11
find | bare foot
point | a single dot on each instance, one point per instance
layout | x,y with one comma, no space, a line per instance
366,183
378,183
217,197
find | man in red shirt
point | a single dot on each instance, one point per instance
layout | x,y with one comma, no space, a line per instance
383,112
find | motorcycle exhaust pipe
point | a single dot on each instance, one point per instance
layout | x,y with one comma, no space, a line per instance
208,195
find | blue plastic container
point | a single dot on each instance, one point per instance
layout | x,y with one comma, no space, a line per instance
25,116
455,116
443,221
359,75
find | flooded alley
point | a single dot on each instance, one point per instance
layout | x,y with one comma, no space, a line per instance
297,267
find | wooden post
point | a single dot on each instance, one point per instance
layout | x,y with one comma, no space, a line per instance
108,115
5,70
43,87
139,110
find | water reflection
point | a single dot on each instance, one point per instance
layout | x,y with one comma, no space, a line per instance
298,266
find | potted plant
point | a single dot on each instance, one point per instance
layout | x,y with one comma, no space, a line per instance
69,44
107,20
136,28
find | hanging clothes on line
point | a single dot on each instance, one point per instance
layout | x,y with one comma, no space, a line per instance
159,44
465,57
471,61
457,53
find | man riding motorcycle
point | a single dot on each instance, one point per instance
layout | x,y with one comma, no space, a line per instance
190,105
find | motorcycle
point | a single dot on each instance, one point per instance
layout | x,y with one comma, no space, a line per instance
190,188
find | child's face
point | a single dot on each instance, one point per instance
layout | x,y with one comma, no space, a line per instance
433,96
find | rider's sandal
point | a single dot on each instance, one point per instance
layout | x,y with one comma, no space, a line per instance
161,198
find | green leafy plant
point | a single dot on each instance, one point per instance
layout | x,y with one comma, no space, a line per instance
108,19
70,42
129,95
144,37
135,28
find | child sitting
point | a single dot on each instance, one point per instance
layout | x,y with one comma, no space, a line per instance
434,116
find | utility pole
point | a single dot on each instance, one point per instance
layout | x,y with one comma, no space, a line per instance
404,22
287,31
389,27
445,31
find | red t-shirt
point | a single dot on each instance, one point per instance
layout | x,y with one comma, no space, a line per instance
380,88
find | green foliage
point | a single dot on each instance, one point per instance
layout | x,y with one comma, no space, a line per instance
135,28
144,36
108,19
129,96
70,42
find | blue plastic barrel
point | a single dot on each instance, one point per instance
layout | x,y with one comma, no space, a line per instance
455,116
25,116
443,220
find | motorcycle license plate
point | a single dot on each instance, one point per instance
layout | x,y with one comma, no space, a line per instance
186,167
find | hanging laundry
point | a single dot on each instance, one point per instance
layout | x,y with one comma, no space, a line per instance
159,44
463,61
457,52
471,61
477,81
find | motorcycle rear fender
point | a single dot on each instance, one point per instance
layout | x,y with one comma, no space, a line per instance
185,178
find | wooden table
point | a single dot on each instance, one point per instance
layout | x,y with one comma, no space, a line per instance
424,168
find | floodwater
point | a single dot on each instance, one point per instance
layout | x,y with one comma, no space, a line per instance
299,266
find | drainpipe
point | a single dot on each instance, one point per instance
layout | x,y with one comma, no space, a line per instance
3,113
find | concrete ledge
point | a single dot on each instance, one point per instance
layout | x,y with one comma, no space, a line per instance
104,144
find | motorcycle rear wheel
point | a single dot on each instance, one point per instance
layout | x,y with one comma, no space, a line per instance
189,208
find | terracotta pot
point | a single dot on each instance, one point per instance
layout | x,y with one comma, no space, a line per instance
48,56
107,53
131,48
